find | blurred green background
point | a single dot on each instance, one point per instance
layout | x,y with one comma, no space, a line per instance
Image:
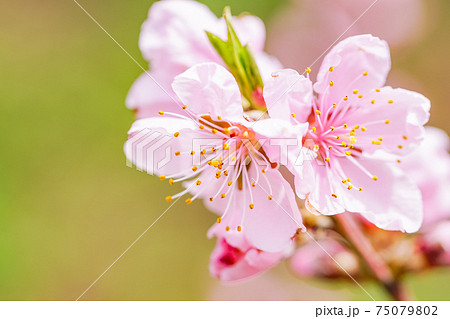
69,206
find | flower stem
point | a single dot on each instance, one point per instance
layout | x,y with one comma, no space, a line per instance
374,261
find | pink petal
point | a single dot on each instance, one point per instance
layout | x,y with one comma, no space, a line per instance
272,223
288,92
406,113
152,92
393,202
208,88
152,145
351,58
173,37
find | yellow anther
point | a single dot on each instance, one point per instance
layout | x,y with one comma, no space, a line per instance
184,107
318,112
219,220
348,153
360,96
400,146
270,197
251,206
334,105
308,70
253,184
387,121
405,137
162,177
331,83
230,182
374,177
194,168
226,130
160,112
233,158
219,117
226,146
293,115
245,134
332,128
391,101
177,153
352,133
331,68
360,189
171,182
316,147
201,127
355,91
376,142
344,181
313,129
327,159
176,134
188,201
349,187
222,195
349,180
227,228
210,199
338,137
263,170
168,198
378,90
239,228
344,144
225,173
353,139
214,131
330,147
356,127
213,149
345,126
365,73
334,195
198,182
373,101
380,138
346,98
363,129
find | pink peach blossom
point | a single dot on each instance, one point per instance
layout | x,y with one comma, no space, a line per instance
230,169
429,167
234,259
357,128
173,38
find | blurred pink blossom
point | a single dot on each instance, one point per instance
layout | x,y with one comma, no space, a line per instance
306,28
353,121
313,260
429,167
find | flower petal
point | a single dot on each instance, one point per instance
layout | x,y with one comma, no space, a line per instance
152,92
392,202
287,92
173,37
209,88
152,145
395,117
350,60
